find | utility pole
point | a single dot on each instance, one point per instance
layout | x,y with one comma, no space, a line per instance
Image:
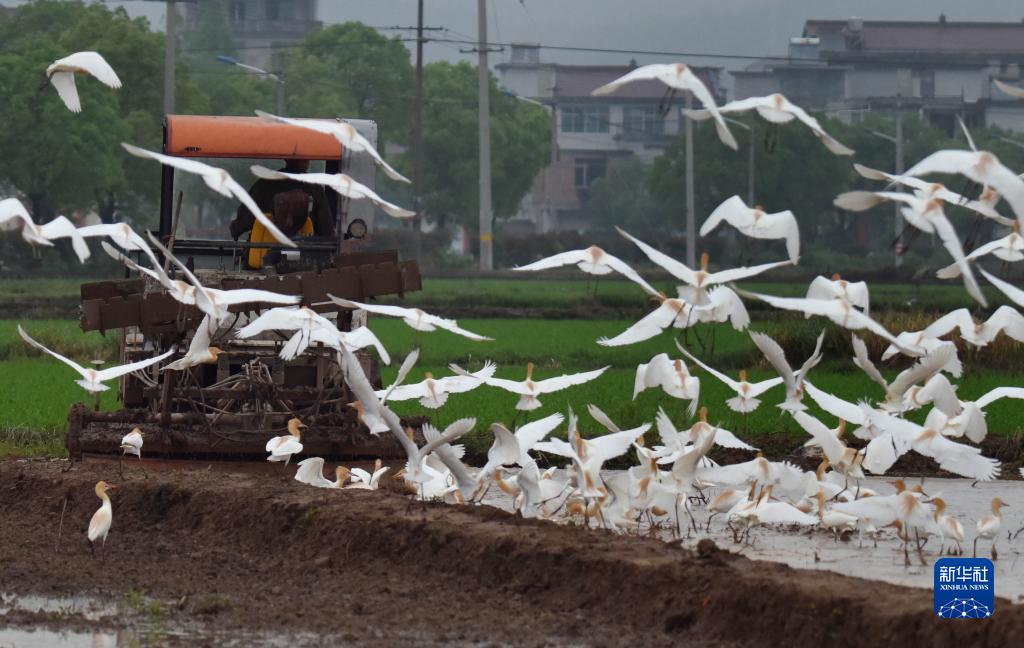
417,125
279,63
486,236
691,211
899,171
750,169
170,34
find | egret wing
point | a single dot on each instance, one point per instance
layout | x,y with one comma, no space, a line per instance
115,372
358,474
557,260
610,446
453,327
363,337
814,359
951,241
958,458
830,142
379,309
156,273
836,406
720,376
243,196
1013,91
61,227
69,362
64,82
675,268
463,383
1011,291
624,269
559,383
775,356
515,386
863,360
275,319
878,510
309,471
732,210
185,164
642,73
735,274
531,433
997,393
94,64
647,327
556,447
782,513
831,445
727,439
13,208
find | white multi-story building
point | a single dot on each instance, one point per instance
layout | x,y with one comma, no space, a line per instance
588,133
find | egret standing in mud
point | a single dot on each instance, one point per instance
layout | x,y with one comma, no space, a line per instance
99,525
989,525
131,443
949,528
281,448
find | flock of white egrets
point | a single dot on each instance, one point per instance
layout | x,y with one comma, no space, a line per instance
674,476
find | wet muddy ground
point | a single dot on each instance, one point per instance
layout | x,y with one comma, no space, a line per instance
881,558
203,557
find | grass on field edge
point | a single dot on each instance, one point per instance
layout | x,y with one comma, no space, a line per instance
32,442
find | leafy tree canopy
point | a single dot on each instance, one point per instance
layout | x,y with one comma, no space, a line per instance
353,70
60,160
520,145
794,171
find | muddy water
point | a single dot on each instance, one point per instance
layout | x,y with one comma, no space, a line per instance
70,612
69,619
818,549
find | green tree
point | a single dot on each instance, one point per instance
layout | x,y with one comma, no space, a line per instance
53,157
520,145
623,198
352,70
59,159
793,171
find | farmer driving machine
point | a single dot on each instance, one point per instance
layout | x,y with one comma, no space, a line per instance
229,408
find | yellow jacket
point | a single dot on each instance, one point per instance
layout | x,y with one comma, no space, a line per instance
261,235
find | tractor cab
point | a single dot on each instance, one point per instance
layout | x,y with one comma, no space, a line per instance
206,226
229,408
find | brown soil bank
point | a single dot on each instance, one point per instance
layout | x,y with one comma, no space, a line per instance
246,551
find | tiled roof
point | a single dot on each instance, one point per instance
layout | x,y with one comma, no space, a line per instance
580,80
927,37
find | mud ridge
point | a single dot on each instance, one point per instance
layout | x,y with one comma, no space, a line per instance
259,553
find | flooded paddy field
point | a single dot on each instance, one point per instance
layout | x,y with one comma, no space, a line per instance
211,557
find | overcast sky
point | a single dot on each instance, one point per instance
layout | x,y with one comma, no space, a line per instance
734,27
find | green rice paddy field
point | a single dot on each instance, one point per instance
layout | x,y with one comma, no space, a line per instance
534,291
36,392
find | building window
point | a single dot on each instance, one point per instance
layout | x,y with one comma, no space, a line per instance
642,119
236,11
280,9
928,84
588,170
585,119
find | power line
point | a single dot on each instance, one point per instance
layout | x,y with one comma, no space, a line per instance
839,58
465,39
